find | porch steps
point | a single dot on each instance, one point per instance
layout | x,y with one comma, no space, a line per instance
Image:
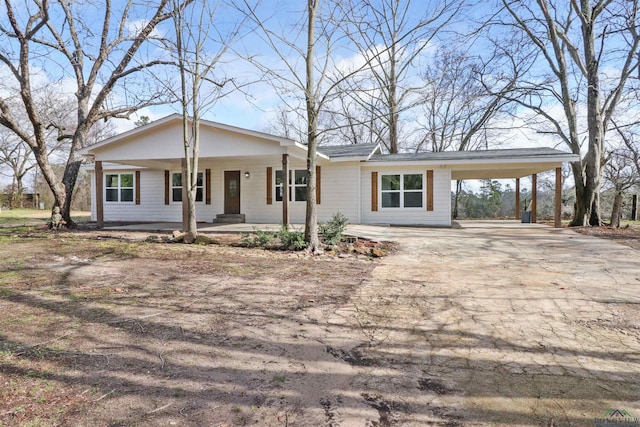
229,219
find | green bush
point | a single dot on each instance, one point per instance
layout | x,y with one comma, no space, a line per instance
333,229
292,239
258,239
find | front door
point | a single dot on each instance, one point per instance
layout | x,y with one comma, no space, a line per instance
231,192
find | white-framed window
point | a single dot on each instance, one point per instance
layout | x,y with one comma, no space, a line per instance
402,190
298,179
119,187
176,187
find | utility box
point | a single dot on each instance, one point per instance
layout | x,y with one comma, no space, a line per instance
526,216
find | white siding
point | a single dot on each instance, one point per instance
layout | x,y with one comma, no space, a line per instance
340,192
346,188
165,142
339,186
440,216
253,191
151,207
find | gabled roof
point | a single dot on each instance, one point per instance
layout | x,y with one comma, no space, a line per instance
178,117
482,164
349,152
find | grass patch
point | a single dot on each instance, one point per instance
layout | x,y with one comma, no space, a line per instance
36,216
23,216
4,293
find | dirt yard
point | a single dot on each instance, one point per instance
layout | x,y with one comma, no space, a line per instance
463,327
628,235
99,330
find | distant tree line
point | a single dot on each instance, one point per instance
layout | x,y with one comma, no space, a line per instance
495,200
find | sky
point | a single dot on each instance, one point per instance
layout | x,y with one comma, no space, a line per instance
255,106
255,109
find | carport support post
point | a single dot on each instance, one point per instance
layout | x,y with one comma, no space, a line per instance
285,190
185,206
558,205
534,198
99,194
517,198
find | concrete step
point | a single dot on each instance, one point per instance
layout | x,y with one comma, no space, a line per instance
229,219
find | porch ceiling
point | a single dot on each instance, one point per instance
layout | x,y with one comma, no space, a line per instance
502,171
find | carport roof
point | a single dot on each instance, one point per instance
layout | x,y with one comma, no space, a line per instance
484,164
515,153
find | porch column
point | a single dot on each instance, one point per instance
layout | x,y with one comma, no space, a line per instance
185,206
99,194
285,190
517,198
534,198
558,204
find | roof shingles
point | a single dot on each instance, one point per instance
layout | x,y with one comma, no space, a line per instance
514,153
351,150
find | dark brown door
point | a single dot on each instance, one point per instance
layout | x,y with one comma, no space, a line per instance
232,192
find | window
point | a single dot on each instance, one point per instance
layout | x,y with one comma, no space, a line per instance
176,187
402,190
298,185
119,187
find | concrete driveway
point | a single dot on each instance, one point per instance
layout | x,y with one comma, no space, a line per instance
503,324
485,324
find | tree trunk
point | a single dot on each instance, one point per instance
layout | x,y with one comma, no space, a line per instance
580,217
311,217
19,190
457,198
393,102
69,182
190,164
593,159
616,210
57,188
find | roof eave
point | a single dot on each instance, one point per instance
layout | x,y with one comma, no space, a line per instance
348,159
455,162
90,150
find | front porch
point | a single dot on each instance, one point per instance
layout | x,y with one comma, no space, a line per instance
381,232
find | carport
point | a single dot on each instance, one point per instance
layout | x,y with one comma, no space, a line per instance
512,164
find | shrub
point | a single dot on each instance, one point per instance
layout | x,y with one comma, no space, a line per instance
292,239
333,229
258,239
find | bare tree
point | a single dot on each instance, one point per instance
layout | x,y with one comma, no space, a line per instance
622,169
462,95
354,116
102,65
392,36
199,49
316,37
576,41
17,157
285,123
